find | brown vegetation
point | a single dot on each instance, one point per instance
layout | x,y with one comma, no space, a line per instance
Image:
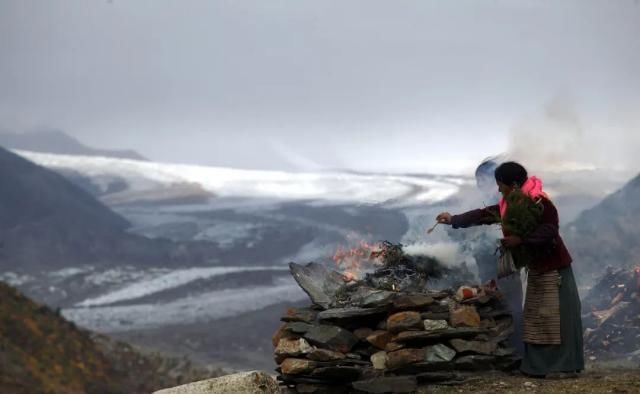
41,352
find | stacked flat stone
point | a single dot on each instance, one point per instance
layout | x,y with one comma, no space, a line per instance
391,342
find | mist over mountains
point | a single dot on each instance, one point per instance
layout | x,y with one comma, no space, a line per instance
162,254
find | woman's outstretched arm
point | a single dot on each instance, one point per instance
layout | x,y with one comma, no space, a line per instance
476,217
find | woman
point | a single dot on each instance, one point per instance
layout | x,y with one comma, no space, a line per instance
552,325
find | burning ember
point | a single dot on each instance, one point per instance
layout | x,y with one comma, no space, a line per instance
349,276
391,270
354,261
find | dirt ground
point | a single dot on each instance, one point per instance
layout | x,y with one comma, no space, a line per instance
590,381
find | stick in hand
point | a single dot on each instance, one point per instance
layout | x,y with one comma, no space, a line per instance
433,228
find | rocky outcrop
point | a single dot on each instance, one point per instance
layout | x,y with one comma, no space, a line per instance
245,382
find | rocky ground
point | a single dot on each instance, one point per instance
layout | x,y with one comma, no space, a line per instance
591,381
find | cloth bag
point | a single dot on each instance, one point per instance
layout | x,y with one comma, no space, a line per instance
506,265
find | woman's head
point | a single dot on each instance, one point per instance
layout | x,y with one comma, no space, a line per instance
510,175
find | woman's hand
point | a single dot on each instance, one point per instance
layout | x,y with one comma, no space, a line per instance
511,241
444,218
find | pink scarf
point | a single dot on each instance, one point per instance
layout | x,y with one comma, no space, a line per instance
532,187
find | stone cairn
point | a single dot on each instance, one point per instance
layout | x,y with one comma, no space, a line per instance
359,338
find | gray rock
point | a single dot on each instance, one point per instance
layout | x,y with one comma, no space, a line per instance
348,313
435,325
245,382
412,301
331,337
417,336
297,327
319,283
505,351
439,353
424,366
394,384
479,347
325,355
367,297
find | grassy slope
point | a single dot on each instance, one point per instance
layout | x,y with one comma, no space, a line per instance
41,352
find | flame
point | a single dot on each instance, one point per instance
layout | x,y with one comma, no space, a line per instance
354,260
349,276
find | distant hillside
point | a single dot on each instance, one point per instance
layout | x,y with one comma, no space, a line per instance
608,233
41,352
46,222
55,141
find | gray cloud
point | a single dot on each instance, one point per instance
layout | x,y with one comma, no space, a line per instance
369,85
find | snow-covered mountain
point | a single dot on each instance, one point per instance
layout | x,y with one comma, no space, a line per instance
257,221
105,173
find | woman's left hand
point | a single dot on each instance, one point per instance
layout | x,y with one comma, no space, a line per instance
511,241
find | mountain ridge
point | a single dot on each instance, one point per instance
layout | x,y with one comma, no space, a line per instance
46,222
608,233
58,142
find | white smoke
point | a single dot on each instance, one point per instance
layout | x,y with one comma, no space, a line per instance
446,252
567,137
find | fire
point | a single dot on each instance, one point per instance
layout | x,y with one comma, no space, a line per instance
354,260
349,276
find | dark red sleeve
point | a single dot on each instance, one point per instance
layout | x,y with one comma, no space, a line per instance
548,230
476,217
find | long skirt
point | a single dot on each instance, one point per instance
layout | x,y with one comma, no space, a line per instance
511,288
568,355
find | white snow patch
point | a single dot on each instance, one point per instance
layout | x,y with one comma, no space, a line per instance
166,281
201,308
15,279
119,275
70,271
226,233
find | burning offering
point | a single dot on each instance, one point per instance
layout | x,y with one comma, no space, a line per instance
387,328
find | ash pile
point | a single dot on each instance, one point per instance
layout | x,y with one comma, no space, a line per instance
611,316
388,332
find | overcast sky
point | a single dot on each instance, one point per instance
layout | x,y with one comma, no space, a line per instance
419,85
